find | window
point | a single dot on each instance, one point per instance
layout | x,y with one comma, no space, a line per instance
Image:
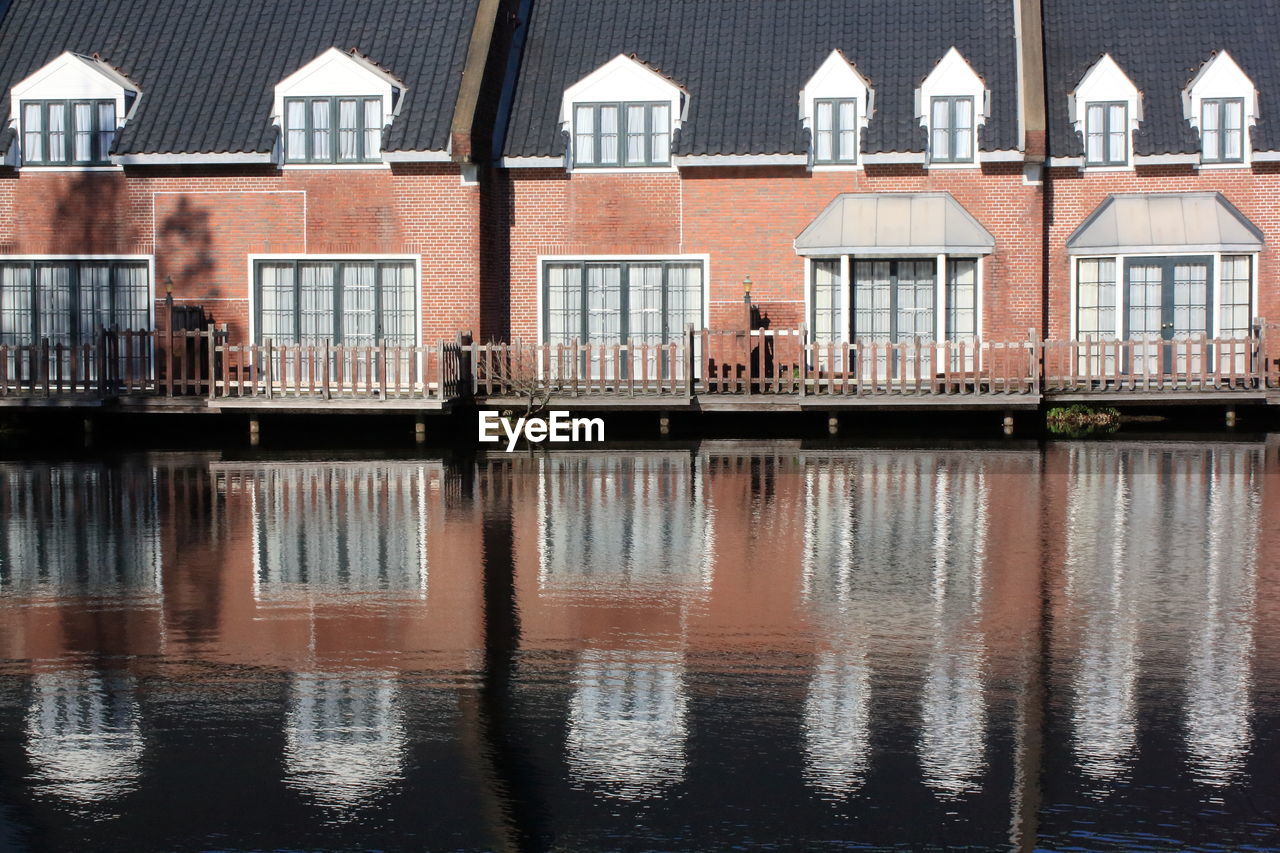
894,300
68,301
357,303
1222,130
826,301
68,133
1106,134
1096,298
951,127
1235,319
333,130
615,301
622,134
962,299
835,130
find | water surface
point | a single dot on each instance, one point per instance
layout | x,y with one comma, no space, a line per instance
1061,647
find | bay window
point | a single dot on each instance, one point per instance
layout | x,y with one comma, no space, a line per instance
622,134
894,300
351,302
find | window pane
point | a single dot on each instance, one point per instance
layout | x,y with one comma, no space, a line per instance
16,316
53,283
963,145
1116,132
564,303
684,298
604,303
95,299
295,136
584,136
106,129
848,123
1096,298
278,301
660,123
317,320
398,309
826,116
962,299
1237,285
131,297
372,128
320,147
33,138
348,129
635,134
609,135
941,113
644,294
358,304
82,116
57,139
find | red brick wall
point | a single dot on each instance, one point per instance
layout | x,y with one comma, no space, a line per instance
1074,195
203,225
746,219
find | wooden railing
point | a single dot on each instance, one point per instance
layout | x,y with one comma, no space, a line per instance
1190,364
914,368
580,370
115,363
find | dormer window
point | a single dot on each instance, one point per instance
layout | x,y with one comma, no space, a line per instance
1105,109
333,130
622,134
952,130
835,132
1222,130
333,110
623,115
1106,134
68,112
952,103
834,107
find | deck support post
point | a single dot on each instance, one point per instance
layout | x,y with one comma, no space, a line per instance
664,423
420,430
88,432
1008,423
255,432
1231,417
833,424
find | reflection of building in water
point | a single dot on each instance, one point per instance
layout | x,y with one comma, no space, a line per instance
1221,648
837,721
896,548
637,521
628,722
83,738
1160,560
339,528
344,737
78,529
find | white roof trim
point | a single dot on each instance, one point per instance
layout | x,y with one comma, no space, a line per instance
214,157
1267,156
741,160
532,162
1164,159
417,156
1008,155
895,157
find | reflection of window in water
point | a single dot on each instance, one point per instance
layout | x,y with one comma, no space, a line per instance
1161,547
78,530
837,721
896,544
1219,672
634,522
344,737
334,528
83,739
627,722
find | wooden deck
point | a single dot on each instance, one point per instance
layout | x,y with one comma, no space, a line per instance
705,371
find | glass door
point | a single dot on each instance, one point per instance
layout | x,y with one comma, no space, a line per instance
1168,301
895,302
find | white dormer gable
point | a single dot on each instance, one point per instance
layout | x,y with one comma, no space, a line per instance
338,73
73,77
1106,82
620,80
954,77
837,78
1221,77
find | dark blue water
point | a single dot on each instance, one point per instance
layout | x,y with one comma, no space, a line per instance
1062,647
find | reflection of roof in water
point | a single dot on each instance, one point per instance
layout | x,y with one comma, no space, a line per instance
613,524
344,737
82,735
627,722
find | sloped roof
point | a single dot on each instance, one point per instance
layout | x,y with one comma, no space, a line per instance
1161,45
744,63
1178,223
207,68
926,223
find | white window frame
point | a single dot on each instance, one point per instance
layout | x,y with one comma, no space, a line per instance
1221,78
303,257
1104,82
836,79
954,77
622,80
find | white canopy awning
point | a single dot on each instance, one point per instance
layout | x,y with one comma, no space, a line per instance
931,223
1165,223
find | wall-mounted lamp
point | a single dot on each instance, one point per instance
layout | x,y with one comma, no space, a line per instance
168,285
746,289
